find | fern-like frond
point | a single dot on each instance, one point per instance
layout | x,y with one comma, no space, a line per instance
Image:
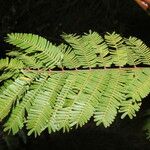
140,85
111,96
5,85
17,118
15,64
139,49
4,63
82,108
30,61
69,60
113,40
6,75
27,60
97,44
60,87
129,108
86,57
45,101
10,68
11,95
117,49
54,124
47,53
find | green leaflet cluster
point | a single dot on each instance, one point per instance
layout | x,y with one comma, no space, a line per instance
45,86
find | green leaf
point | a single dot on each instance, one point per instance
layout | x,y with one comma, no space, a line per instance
44,86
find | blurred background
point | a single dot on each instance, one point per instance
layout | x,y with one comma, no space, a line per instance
50,18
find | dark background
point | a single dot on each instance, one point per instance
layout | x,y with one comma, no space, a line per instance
49,18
